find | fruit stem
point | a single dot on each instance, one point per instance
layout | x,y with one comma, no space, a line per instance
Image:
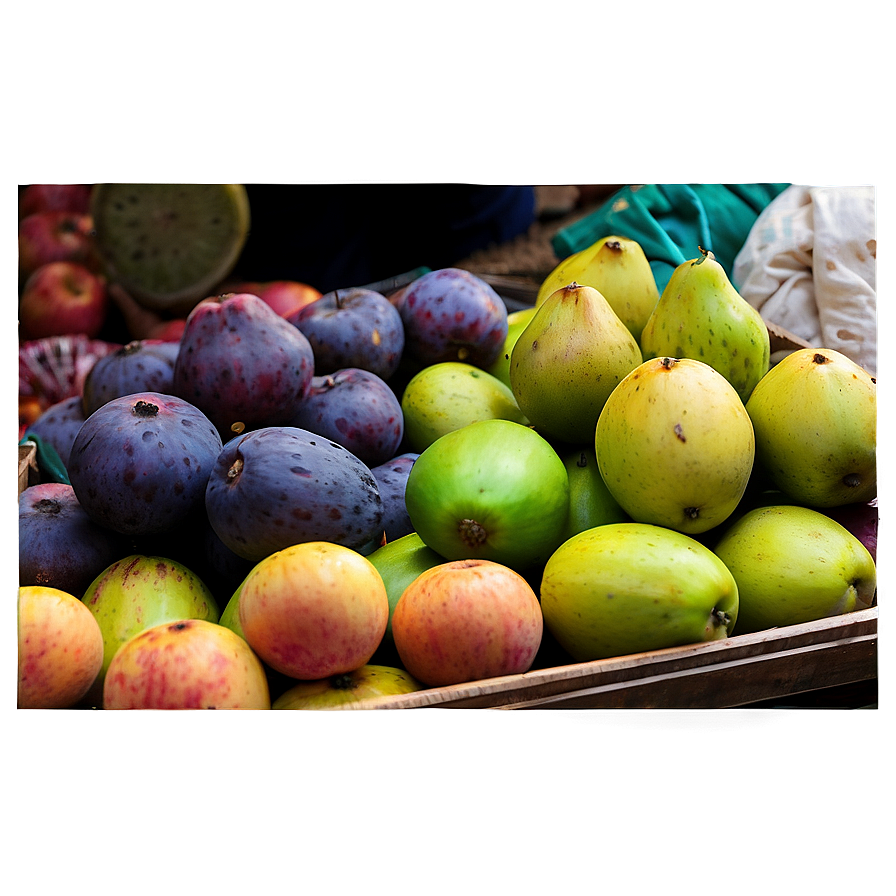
705,253
338,299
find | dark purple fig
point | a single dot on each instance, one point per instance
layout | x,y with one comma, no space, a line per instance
140,463
59,545
452,315
357,409
861,520
143,365
282,485
59,424
352,328
392,478
242,364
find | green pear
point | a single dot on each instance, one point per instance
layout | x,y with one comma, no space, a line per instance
446,396
571,356
701,315
630,587
793,564
815,418
590,501
516,323
675,445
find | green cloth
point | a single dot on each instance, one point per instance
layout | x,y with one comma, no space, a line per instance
670,222
50,464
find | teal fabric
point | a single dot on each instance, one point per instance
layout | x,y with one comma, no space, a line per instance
671,222
48,461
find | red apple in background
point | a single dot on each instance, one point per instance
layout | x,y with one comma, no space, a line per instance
466,620
314,610
186,664
284,296
54,197
62,298
53,236
168,330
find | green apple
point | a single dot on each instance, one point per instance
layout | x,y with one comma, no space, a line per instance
399,562
516,323
141,591
349,691
625,588
443,397
492,490
793,564
590,501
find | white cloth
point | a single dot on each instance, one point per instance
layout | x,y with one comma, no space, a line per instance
808,265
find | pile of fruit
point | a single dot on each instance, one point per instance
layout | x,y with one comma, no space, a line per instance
368,494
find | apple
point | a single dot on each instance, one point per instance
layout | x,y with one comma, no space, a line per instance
139,591
53,236
623,588
313,610
168,330
794,564
73,198
62,298
284,296
349,691
60,648
465,620
494,490
355,327
186,664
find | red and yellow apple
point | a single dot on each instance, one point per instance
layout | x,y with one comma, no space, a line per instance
60,648
186,664
53,236
62,298
313,610
465,620
54,197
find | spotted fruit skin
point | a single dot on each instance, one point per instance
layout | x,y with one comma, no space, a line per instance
282,485
241,363
186,664
467,620
675,445
140,464
313,610
350,691
60,648
452,315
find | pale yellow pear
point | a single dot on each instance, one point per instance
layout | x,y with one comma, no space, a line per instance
675,445
568,360
619,270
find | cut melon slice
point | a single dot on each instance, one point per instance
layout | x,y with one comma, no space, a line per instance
169,245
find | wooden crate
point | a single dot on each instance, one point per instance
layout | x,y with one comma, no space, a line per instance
28,469
733,672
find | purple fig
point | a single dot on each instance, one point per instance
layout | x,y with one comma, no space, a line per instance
140,463
59,545
278,486
59,424
242,364
392,478
452,315
143,365
357,409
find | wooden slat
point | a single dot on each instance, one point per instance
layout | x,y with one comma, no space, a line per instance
735,671
28,469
